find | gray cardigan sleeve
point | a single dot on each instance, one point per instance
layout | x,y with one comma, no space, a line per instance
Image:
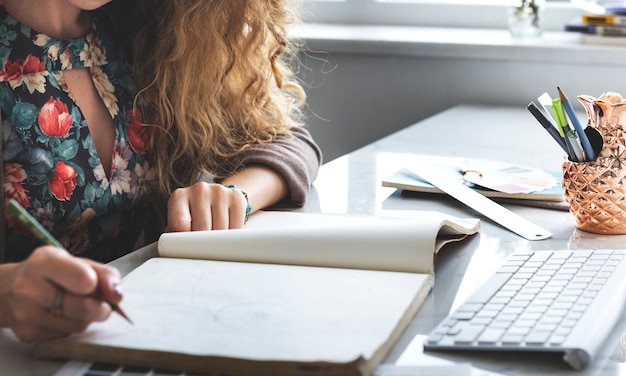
297,159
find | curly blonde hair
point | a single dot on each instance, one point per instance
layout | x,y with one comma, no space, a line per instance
215,77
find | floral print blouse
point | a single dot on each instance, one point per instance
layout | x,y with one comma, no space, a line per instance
50,164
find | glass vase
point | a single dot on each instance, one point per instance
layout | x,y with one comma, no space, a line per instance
525,18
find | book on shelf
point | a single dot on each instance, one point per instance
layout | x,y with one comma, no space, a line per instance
617,31
615,8
602,40
604,19
293,293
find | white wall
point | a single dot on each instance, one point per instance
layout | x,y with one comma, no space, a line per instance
356,98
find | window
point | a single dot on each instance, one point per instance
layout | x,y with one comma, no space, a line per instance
446,13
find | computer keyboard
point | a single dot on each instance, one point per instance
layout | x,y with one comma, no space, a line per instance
556,301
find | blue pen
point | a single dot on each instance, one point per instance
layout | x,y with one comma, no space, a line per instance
571,114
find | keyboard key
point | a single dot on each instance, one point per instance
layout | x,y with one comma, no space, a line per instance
456,329
512,339
531,315
557,340
568,323
545,328
537,337
493,307
501,323
571,291
462,315
508,317
480,321
537,308
489,288
511,310
525,323
490,336
527,297
556,312
468,334
540,256
563,330
530,290
489,314
518,330
511,287
470,307
523,275
546,295
508,269
501,300
562,305
561,255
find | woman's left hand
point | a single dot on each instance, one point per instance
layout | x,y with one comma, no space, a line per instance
205,206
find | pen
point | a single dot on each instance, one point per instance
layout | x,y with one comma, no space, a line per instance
545,100
571,140
41,234
547,125
571,114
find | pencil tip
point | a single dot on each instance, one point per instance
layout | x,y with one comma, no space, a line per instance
118,309
561,94
127,318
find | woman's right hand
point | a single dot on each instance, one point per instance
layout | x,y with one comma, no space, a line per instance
79,287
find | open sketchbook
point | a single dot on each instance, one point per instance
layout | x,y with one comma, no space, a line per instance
551,197
293,293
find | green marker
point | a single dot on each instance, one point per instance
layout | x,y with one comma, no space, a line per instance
559,114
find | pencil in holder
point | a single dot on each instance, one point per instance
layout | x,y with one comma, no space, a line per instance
596,190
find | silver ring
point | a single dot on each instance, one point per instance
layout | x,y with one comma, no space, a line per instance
57,306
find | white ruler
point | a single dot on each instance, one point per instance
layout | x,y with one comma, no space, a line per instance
480,203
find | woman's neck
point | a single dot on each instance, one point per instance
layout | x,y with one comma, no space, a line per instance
55,18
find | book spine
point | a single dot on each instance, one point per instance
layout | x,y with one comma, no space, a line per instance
604,19
611,31
597,30
585,29
602,39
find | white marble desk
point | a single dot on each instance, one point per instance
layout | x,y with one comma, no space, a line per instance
352,184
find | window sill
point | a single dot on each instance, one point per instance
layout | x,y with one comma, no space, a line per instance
465,43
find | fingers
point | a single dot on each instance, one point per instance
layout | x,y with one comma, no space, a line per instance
62,269
109,287
75,315
38,324
49,268
206,206
53,294
83,309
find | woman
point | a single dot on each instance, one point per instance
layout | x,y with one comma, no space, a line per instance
93,148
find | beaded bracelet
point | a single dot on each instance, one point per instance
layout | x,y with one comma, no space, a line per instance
248,206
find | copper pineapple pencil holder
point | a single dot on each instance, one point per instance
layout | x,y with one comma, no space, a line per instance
596,190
